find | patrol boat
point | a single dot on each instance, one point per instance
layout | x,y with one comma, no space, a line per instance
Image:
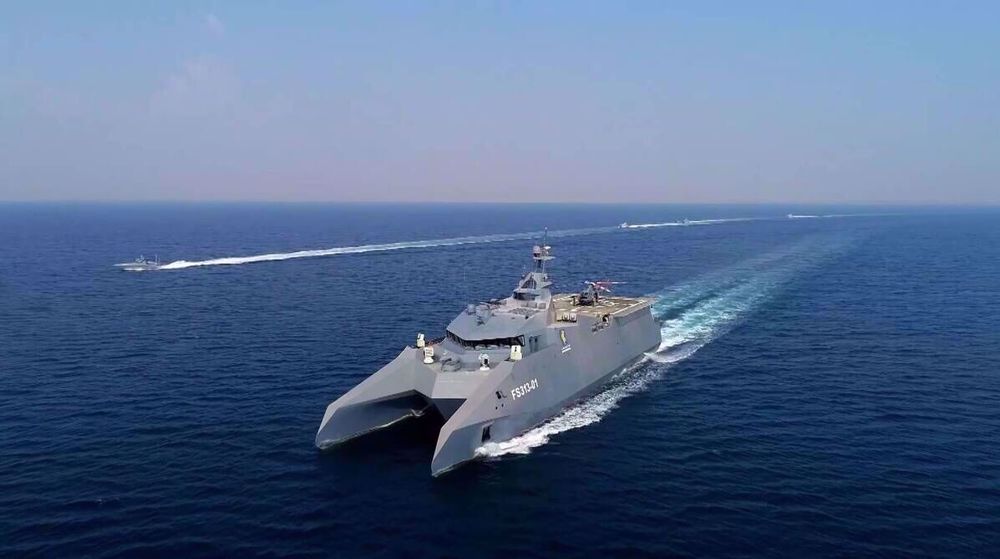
502,366
140,264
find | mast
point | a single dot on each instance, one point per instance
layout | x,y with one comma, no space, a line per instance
541,253
534,286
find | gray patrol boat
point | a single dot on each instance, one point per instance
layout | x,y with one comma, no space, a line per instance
503,366
140,264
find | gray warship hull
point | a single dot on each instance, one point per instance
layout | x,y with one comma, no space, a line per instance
557,351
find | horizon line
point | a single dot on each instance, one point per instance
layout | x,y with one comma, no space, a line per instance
168,201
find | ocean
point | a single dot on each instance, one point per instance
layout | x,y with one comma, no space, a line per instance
828,385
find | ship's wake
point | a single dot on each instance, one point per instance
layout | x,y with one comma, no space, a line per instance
828,216
686,222
430,243
693,315
361,249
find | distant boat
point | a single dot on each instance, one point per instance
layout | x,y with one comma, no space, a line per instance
624,225
140,264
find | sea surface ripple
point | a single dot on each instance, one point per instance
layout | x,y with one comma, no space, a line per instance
826,387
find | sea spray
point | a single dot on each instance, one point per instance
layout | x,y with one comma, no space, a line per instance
726,299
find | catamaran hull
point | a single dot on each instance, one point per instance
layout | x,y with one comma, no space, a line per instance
460,441
493,405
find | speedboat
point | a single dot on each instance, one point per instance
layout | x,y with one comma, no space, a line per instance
140,264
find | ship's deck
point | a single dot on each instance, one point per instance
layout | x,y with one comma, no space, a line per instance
564,302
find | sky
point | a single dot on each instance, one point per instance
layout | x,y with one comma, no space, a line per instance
541,101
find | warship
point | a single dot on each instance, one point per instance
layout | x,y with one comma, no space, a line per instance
502,367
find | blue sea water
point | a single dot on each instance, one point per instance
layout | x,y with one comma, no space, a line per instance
827,387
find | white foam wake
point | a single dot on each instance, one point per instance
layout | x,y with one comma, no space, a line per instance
827,216
686,222
652,225
454,241
679,297
403,245
745,289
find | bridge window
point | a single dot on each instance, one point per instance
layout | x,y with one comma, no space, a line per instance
486,343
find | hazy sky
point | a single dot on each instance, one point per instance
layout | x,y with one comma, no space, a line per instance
661,101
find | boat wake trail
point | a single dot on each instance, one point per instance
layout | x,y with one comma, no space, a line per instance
827,216
686,222
454,241
360,249
703,310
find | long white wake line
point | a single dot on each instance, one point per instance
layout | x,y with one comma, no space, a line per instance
234,260
827,216
688,222
454,241
682,337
